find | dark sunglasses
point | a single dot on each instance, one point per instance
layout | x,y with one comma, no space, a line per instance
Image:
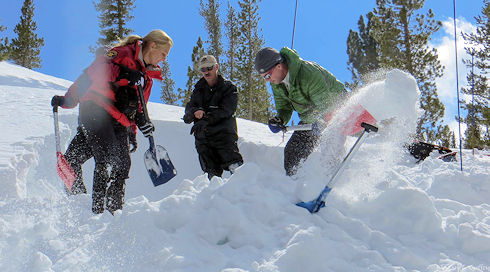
206,69
269,74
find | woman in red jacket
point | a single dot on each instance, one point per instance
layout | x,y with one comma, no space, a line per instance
110,112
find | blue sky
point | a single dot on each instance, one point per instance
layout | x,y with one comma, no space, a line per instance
322,26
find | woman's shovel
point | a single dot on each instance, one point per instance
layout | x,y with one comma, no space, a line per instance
64,169
157,162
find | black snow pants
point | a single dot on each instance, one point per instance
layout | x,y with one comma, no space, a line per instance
100,136
299,147
217,152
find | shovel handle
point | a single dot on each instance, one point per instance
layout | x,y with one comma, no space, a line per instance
152,144
368,127
147,117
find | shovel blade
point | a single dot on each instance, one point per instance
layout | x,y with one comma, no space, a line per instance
353,122
65,171
312,206
159,166
315,205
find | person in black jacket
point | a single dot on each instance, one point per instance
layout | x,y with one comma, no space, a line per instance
212,109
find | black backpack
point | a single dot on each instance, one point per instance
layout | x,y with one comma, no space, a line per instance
421,150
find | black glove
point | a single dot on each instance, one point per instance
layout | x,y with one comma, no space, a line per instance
57,101
199,127
133,76
133,145
188,118
276,124
318,127
146,127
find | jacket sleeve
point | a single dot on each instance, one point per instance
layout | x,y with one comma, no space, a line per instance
78,89
71,97
193,105
227,107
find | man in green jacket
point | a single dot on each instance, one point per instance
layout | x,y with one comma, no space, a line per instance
301,86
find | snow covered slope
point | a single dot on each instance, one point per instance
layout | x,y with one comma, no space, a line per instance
386,213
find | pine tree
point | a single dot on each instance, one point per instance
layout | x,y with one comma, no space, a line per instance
473,137
453,141
362,50
229,67
478,110
447,138
210,13
356,54
254,100
25,49
193,74
403,37
113,18
168,95
4,45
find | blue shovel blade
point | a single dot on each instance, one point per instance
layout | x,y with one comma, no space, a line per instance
315,205
159,166
312,206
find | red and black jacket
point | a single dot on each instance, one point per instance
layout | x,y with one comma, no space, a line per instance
101,79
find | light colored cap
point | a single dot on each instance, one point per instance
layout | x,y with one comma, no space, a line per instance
207,61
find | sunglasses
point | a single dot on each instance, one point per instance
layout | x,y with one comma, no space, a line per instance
269,74
206,69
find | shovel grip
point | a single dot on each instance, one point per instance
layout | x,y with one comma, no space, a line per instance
369,128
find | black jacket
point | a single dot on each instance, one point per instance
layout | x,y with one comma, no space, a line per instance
219,104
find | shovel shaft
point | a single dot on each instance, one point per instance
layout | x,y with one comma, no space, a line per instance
147,118
152,143
315,205
299,127
346,159
367,128
143,102
56,129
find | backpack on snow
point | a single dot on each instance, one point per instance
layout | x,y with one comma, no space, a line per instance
421,150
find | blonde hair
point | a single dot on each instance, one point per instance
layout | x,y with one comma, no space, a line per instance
159,37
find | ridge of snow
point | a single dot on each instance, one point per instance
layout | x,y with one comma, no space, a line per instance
15,75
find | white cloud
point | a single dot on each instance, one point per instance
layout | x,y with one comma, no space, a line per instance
453,125
445,48
446,85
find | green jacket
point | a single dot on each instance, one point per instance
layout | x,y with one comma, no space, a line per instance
313,90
